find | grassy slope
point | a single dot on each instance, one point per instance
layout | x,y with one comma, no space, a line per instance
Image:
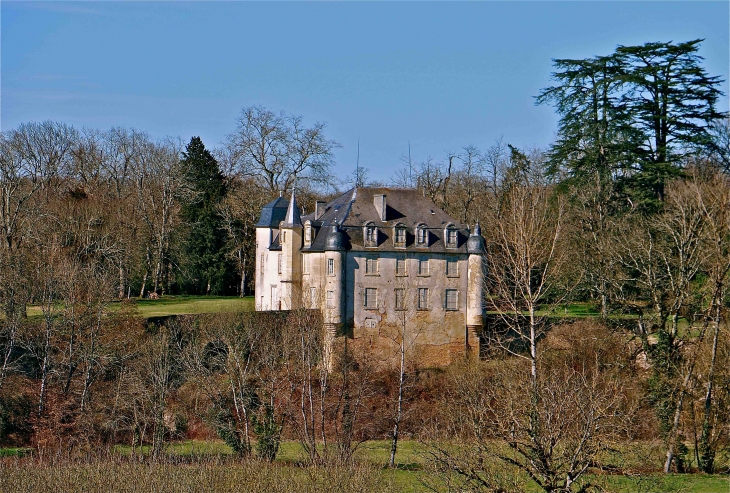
411,454
180,305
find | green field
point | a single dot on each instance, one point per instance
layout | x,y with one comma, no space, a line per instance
409,474
177,305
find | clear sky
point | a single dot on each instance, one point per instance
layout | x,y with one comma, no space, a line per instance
440,75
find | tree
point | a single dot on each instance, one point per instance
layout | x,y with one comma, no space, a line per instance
207,267
551,429
637,113
279,149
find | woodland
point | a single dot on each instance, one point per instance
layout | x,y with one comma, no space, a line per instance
605,360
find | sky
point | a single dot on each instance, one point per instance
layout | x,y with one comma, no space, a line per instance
436,75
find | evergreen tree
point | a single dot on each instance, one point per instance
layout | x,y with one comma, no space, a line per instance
206,267
629,120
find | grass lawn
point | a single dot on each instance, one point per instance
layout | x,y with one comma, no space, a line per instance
178,305
410,459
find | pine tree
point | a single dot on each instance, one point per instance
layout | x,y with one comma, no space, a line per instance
206,268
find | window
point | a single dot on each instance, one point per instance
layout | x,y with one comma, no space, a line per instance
330,267
308,234
423,266
330,299
371,266
370,298
423,298
283,236
452,267
262,263
400,266
422,235
305,262
371,236
400,236
452,299
400,299
451,236
370,323
313,297
278,261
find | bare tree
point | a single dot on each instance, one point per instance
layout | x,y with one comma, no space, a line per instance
278,149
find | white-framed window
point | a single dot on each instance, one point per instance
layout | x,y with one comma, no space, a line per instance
400,299
400,266
452,299
305,263
452,267
278,263
330,267
313,297
451,235
423,298
371,235
371,265
308,234
400,236
421,234
370,298
423,266
330,299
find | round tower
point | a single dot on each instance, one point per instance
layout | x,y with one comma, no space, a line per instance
335,306
475,289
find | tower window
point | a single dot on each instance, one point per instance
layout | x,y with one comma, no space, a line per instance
330,267
278,263
330,299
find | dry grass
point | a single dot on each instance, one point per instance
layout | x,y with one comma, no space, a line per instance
178,305
209,475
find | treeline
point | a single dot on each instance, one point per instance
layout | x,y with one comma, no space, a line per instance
628,211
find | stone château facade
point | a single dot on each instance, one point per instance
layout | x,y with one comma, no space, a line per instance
378,262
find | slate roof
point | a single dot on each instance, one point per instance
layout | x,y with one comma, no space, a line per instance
273,213
354,208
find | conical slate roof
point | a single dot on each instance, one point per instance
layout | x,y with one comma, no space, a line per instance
292,219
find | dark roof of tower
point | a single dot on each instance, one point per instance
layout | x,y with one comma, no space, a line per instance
292,218
475,243
404,206
273,213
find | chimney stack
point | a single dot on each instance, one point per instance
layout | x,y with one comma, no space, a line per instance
319,207
380,205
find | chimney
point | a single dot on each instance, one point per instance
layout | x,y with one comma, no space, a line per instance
380,205
319,209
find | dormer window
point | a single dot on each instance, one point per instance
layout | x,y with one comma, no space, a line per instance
451,236
421,235
400,236
371,235
307,234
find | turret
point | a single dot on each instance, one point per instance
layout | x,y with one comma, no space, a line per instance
335,297
475,288
290,238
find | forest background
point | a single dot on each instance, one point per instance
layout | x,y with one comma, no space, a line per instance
626,214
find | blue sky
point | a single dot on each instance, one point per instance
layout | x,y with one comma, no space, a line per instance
438,75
